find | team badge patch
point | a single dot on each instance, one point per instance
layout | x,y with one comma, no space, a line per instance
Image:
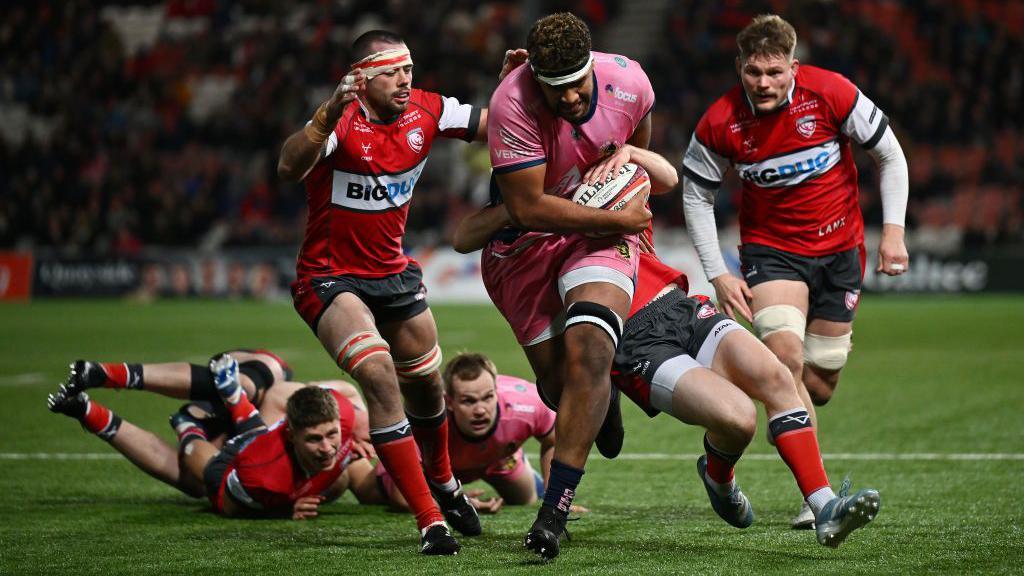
623,250
805,125
852,297
415,139
706,311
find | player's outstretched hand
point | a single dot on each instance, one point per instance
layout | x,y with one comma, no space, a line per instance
306,507
733,296
348,89
608,166
635,217
513,59
484,505
892,251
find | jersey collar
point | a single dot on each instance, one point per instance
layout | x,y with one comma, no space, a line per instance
593,101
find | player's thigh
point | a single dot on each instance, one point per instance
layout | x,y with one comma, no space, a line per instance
363,483
601,292
518,488
746,362
276,399
344,316
410,338
780,292
703,398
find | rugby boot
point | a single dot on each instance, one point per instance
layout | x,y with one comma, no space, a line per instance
610,436
457,509
546,533
733,507
63,401
84,374
436,540
844,514
804,520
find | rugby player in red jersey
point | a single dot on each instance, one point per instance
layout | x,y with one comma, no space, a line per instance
679,355
786,130
286,470
360,157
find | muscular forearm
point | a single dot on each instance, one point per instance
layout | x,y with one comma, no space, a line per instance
476,229
699,207
663,175
549,213
298,156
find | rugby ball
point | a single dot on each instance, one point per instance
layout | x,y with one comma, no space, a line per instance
614,192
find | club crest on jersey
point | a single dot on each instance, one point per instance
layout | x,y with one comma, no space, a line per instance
609,148
623,249
805,125
852,297
415,139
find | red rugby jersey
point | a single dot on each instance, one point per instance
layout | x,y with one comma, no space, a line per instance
266,476
652,276
359,194
799,178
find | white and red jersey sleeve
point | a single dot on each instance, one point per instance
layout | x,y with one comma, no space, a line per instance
359,193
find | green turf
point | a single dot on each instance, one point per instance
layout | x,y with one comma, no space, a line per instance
928,375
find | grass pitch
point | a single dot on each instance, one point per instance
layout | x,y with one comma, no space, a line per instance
929,378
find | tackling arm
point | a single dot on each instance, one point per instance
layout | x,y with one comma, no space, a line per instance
475,230
531,209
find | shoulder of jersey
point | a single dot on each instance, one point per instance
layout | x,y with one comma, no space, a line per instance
819,79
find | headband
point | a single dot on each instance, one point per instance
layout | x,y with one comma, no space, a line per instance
383,61
564,76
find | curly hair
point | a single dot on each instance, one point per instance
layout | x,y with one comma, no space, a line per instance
767,35
558,41
467,366
310,406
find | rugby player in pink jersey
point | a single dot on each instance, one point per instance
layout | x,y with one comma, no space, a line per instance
786,129
679,355
360,158
491,415
319,432
571,115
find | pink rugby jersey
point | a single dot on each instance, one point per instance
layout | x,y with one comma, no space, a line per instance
521,414
522,131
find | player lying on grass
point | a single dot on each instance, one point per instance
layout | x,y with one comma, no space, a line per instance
308,457
679,355
490,416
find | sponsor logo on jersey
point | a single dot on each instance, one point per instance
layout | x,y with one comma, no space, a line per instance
803,107
415,139
409,118
620,94
791,169
832,226
367,193
515,146
852,297
621,61
805,125
524,408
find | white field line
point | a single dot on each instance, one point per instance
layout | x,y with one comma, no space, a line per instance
25,378
870,456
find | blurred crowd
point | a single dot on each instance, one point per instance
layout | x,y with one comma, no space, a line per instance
137,124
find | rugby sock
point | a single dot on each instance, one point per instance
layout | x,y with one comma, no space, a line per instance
396,449
797,443
431,436
562,482
187,433
721,466
122,375
100,420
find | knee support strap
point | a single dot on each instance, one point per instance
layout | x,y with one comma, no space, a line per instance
827,352
358,347
779,318
596,314
419,368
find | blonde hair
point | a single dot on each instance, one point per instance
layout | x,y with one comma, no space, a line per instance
767,35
